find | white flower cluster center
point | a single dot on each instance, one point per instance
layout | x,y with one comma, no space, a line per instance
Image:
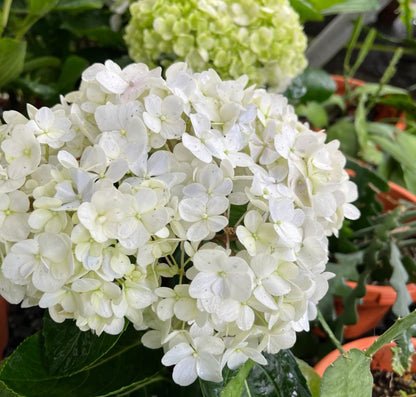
196,208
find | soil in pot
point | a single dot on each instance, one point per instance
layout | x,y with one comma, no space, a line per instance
390,384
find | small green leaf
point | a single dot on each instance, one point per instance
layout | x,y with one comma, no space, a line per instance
319,85
12,56
71,73
235,386
306,11
312,378
352,6
348,376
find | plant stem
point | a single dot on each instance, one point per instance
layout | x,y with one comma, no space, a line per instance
328,330
6,11
42,62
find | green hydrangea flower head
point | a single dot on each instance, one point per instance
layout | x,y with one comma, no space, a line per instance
260,38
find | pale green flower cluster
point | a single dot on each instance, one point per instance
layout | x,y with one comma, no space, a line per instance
260,38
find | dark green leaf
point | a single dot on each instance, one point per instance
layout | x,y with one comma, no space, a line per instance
46,92
319,85
236,212
306,11
95,26
12,56
348,376
296,90
4,392
128,363
80,350
71,73
79,5
281,377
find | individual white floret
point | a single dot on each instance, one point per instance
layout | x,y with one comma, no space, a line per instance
209,181
14,208
46,261
22,152
198,357
219,277
52,128
163,116
103,216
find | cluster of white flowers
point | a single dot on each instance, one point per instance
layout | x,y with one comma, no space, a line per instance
196,208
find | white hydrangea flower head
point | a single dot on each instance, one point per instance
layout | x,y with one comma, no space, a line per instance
196,208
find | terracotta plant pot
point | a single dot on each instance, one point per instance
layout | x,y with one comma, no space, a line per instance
4,326
375,304
380,360
382,111
378,298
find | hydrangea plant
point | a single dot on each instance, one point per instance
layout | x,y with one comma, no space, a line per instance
262,39
195,208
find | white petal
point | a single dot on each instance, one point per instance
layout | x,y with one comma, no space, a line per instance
177,353
208,368
184,372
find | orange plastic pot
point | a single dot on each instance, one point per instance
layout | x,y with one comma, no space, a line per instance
374,305
381,359
396,193
378,298
4,326
383,111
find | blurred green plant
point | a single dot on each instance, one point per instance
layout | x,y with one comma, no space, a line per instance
46,44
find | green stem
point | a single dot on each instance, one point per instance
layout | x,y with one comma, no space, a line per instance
328,330
385,48
27,24
140,385
6,13
42,62
407,242
387,75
